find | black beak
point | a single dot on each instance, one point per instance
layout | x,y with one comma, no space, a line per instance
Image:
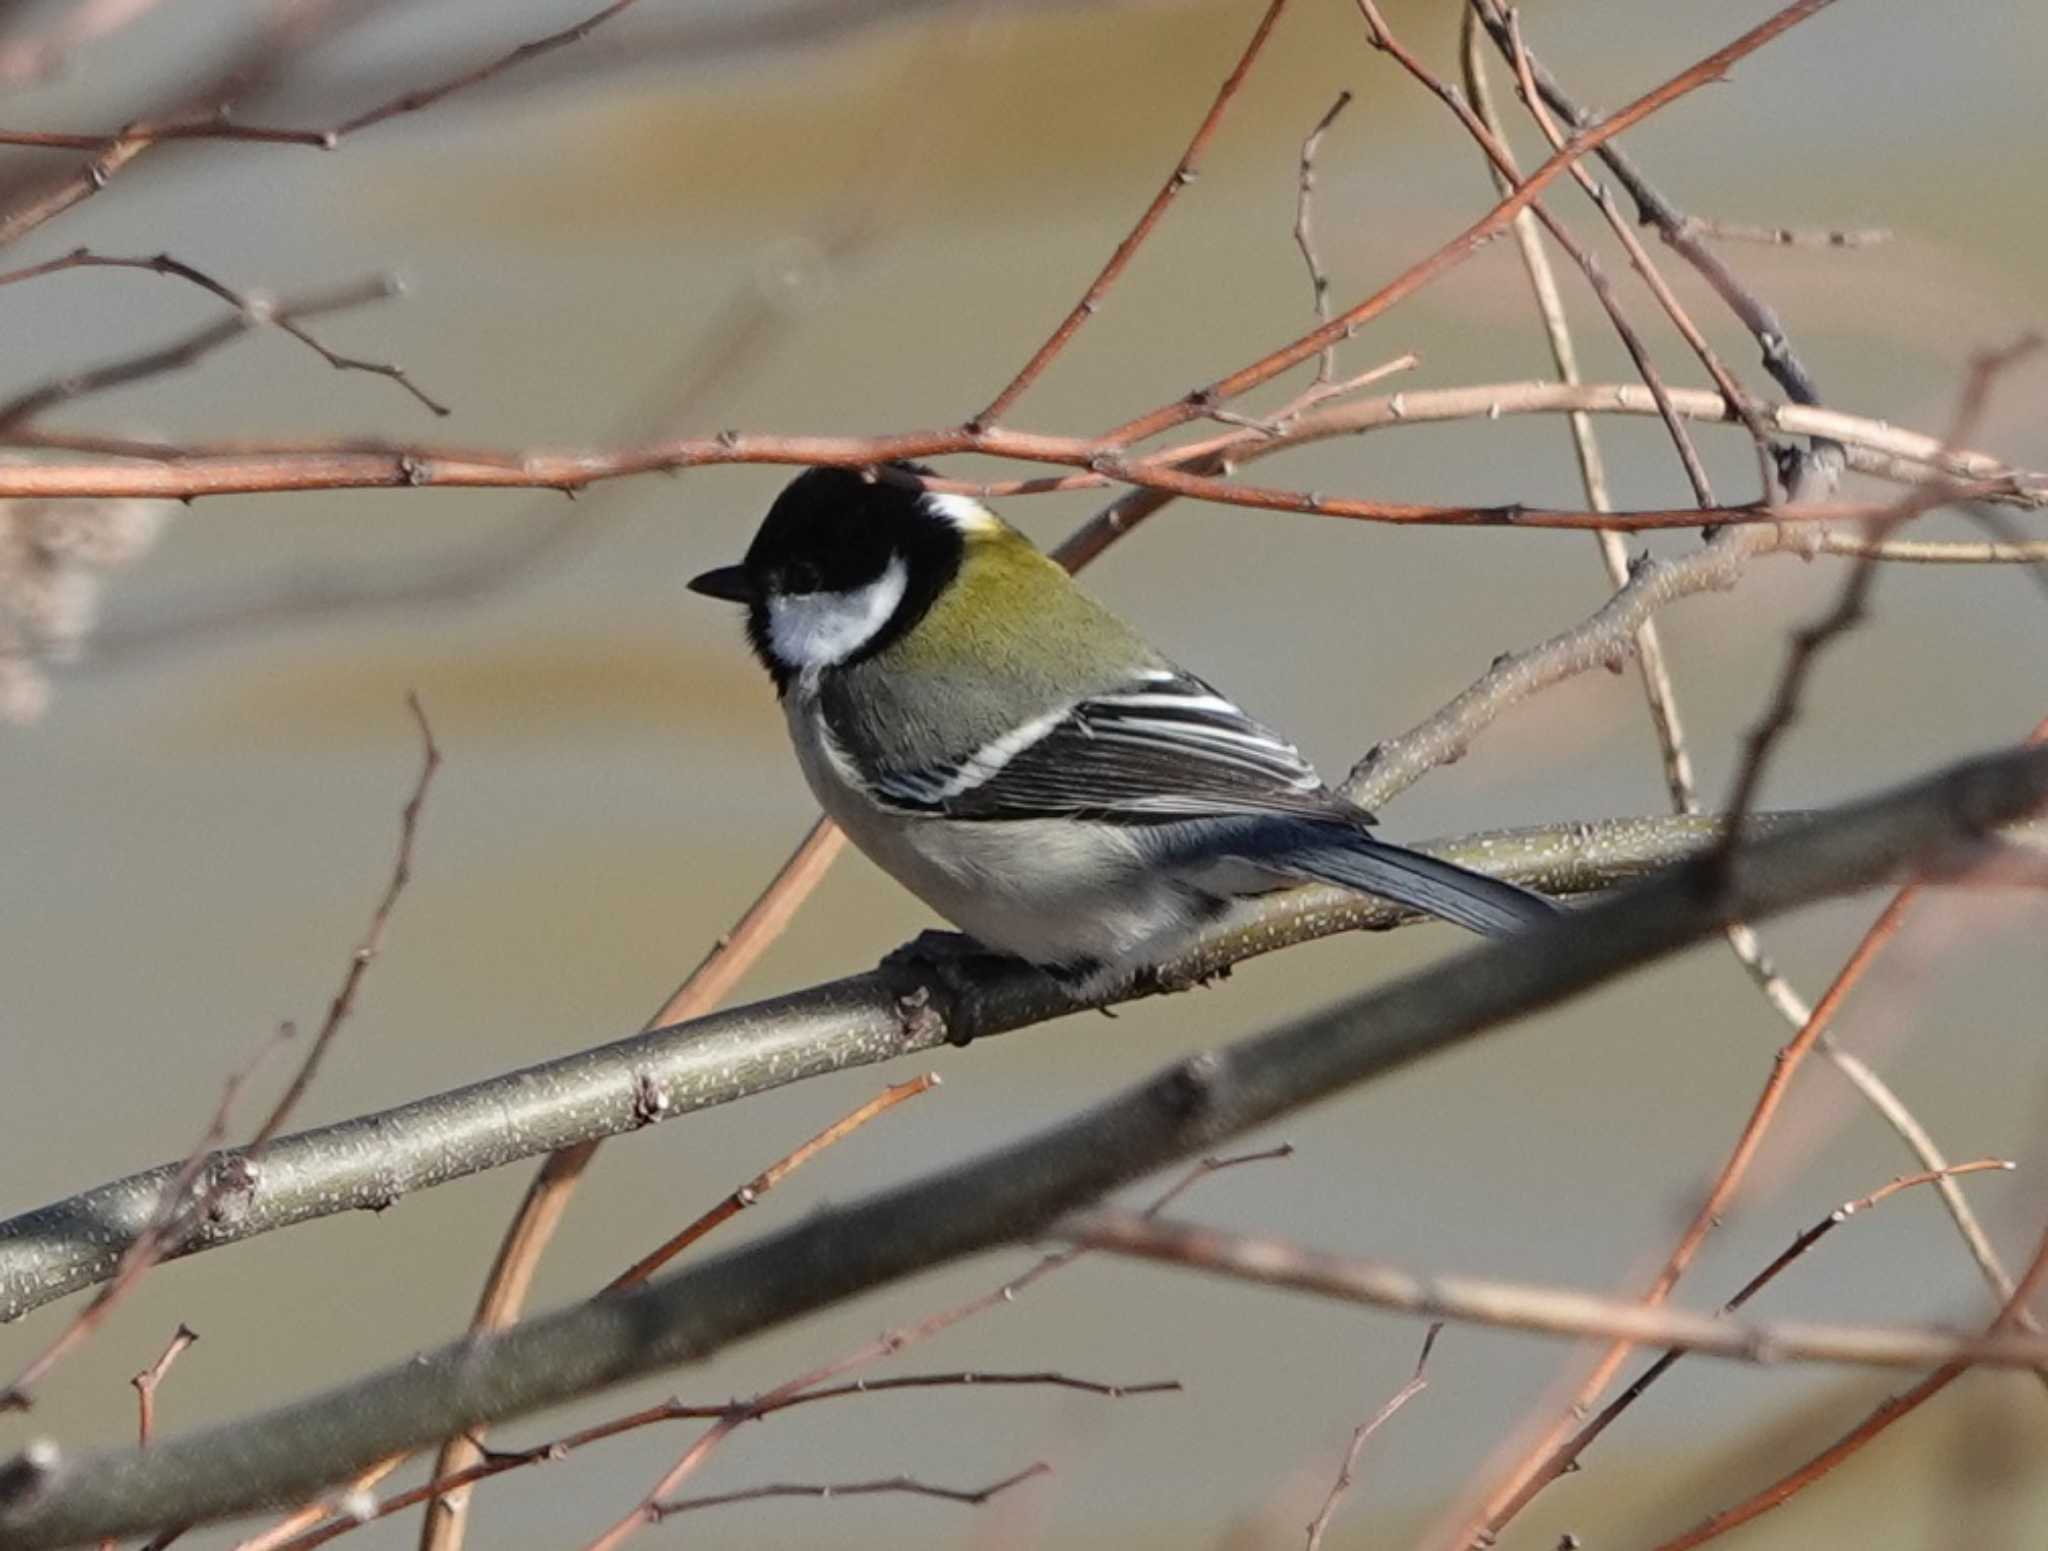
728,582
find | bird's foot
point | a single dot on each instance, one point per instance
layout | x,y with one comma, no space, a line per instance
1168,980
934,949
943,971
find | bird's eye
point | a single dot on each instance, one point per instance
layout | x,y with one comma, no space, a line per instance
802,576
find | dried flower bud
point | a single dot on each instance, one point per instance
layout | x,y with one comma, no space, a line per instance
52,554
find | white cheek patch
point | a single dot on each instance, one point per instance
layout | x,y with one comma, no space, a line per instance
815,630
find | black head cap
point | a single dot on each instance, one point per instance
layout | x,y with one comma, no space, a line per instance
835,530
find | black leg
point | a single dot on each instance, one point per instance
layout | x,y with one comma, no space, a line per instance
941,970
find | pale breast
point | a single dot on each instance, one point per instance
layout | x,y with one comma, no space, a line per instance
1054,891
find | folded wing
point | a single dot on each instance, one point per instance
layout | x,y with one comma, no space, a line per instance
1163,747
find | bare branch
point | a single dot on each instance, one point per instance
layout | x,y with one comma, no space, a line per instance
249,314
1017,1191
147,1381
1653,671
1887,1412
624,1086
167,1209
217,125
255,60
1502,163
531,1228
1182,175
1605,637
1934,551
1590,138
752,1191
1568,1454
1809,641
1407,1392
1542,1310
185,1204
1304,228
1678,231
1646,267
1554,1451
497,1463
896,1485
1791,236
1649,652
888,1344
366,952
241,469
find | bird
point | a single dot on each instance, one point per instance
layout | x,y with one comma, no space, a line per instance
1021,759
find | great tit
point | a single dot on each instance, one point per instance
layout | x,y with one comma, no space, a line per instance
1020,759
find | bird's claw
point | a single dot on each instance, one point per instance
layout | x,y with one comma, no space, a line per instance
944,970
935,948
1168,981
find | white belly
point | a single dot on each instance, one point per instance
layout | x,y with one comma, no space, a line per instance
1057,892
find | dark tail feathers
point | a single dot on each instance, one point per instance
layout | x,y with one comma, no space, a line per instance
1340,855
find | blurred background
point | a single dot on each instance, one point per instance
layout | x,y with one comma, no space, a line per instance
898,202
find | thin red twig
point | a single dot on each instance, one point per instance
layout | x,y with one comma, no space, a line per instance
1549,1459
148,1247
499,1462
1568,1456
746,1195
908,1486
532,1227
147,1381
1551,1454
218,125
747,321
285,34
1851,603
1503,162
1888,1412
1532,1307
547,1199
1304,227
1416,1385
258,309
1712,68
198,474
284,315
372,943
887,1345
186,1198
1182,175
1738,397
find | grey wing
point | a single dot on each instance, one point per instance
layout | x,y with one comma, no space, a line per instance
1163,747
